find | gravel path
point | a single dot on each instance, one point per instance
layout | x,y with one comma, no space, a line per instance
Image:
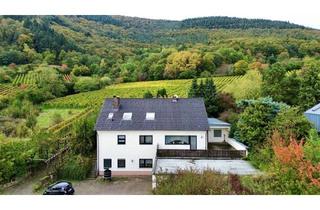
119,186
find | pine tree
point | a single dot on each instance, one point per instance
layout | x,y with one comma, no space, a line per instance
201,89
211,98
194,89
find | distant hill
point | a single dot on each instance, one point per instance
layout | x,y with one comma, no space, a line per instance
236,23
202,22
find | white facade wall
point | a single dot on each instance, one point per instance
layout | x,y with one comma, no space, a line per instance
132,151
224,136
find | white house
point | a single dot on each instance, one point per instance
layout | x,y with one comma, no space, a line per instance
132,132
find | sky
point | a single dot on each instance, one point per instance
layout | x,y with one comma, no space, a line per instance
304,12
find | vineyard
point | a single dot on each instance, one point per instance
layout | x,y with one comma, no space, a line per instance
67,77
7,90
134,90
31,78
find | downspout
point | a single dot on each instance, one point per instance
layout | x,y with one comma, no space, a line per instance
97,167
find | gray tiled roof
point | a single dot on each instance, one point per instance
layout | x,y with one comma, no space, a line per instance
185,114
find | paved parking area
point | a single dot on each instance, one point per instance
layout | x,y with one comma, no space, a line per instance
240,167
119,186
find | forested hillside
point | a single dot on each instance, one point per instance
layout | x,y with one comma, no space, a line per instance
135,49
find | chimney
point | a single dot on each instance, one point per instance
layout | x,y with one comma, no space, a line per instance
175,99
116,103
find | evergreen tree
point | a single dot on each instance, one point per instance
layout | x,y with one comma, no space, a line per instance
194,89
211,98
208,92
200,92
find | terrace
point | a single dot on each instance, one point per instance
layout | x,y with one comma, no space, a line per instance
223,151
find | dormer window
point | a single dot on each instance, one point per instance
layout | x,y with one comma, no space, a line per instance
110,116
127,116
150,115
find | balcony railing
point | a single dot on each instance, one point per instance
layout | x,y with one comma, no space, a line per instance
218,153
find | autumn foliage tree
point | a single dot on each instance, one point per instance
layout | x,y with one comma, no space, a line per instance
291,157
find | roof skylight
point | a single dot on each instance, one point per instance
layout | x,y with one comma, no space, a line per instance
150,115
110,115
127,116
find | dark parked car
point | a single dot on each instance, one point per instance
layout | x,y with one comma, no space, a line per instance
60,188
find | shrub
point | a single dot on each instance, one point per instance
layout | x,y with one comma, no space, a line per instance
75,168
147,94
56,118
86,84
104,81
193,183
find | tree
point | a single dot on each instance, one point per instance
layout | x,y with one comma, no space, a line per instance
226,102
272,82
194,89
208,62
162,93
84,136
309,93
211,98
147,94
86,84
253,125
291,123
81,70
53,83
208,92
280,86
179,62
12,56
240,67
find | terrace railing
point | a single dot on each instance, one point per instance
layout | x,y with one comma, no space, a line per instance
219,153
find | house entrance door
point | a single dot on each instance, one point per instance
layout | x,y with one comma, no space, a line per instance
193,143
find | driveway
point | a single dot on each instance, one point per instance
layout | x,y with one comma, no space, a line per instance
119,186
240,167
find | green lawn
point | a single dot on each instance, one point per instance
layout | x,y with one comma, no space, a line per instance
44,120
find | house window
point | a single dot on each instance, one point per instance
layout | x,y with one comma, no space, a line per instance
121,163
121,139
145,139
145,163
180,140
107,163
217,133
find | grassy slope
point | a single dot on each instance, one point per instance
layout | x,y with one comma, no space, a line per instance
45,118
135,90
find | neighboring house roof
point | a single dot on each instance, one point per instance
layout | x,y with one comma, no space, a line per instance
187,114
217,122
314,110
